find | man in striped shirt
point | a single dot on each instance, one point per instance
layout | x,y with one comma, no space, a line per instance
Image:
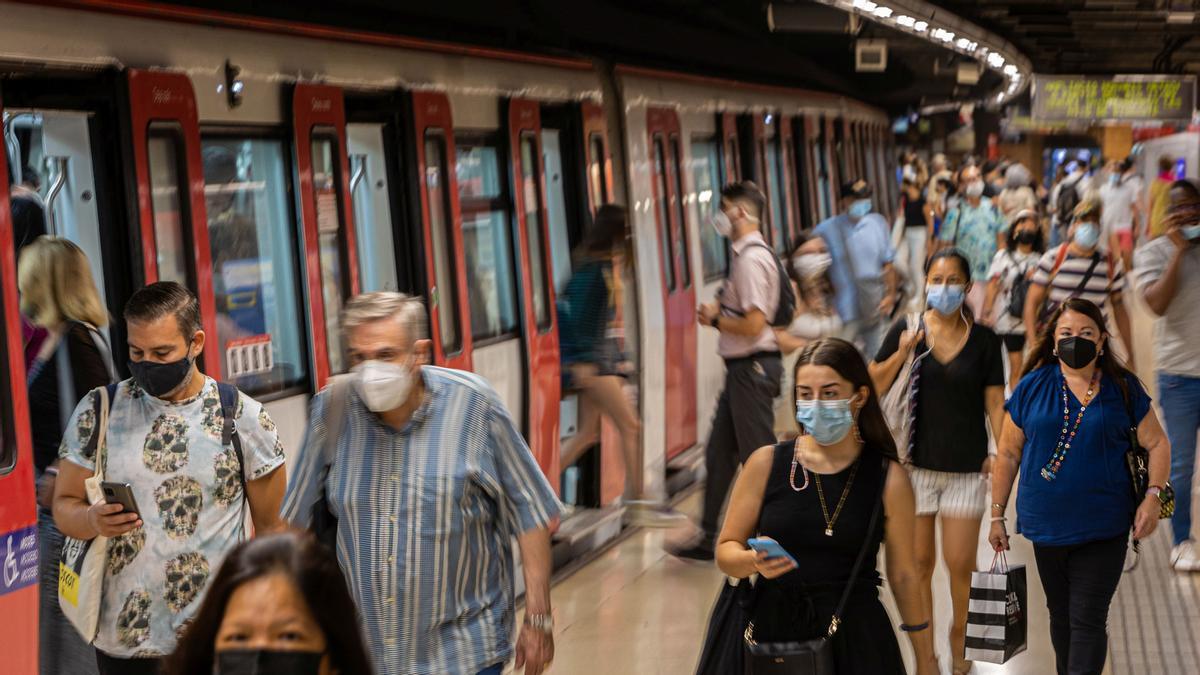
429,481
1078,268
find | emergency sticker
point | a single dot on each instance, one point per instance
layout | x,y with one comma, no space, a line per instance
20,552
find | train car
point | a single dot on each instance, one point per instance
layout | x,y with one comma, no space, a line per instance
278,168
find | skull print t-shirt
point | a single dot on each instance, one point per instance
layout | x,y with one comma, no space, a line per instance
190,499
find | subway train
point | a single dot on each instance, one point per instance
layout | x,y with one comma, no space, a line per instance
278,168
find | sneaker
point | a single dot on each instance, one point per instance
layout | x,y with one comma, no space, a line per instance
653,514
701,550
1185,558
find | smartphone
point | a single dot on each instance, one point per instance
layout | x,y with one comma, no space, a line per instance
120,493
771,548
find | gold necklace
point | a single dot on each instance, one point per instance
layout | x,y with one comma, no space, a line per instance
841,502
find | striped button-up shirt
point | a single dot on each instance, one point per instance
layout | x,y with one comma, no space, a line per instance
426,518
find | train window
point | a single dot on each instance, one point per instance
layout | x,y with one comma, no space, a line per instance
776,197
487,238
734,159
253,246
706,172
596,170
372,209
441,230
171,240
666,241
334,280
682,252
531,183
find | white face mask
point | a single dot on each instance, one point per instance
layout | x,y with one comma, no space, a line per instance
382,386
809,265
722,224
975,189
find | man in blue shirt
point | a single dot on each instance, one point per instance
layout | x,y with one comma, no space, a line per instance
429,481
864,280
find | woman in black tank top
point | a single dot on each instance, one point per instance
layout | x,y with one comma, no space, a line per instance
815,496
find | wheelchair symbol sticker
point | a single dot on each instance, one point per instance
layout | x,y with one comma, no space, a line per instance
20,552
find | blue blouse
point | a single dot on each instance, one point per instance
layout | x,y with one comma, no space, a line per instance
1091,499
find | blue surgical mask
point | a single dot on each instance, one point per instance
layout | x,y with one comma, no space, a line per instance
1114,180
1190,232
1087,235
946,299
827,421
860,208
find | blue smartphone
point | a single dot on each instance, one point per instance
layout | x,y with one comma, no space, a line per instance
771,548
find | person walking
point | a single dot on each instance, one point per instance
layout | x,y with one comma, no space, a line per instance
1159,200
1016,196
166,438
865,283
816,496
1079,268
1119,196
1064,197
1065,435
1167,273
959,397
59,297
584,308
975,228
741,314
1008,283
918,233
419,478
277,605
815,318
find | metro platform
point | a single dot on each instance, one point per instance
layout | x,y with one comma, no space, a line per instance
636,609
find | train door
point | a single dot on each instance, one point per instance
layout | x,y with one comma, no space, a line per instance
18,512
791,177
172,217
539,323
679,296
770,162
442,231
731,150
323,196
371,194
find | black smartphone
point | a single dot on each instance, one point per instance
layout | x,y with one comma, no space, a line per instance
120,493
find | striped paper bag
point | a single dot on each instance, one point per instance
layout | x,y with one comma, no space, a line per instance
997,622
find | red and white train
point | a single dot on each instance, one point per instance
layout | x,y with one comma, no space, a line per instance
277,168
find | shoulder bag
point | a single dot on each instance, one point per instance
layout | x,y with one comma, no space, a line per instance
815,656
81,568
1137,459
899,403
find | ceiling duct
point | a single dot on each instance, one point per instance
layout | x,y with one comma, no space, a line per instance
809,18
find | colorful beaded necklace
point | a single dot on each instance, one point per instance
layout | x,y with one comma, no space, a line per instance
1050,471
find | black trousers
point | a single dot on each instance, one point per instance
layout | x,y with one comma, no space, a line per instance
1080,582
111,665
744,422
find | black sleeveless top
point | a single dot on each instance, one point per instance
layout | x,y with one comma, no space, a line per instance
808,594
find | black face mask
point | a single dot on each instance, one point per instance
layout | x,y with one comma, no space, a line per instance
160,379
268,662
1076,352
1026,237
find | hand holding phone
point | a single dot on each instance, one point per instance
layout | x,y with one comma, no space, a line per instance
120,493
771,560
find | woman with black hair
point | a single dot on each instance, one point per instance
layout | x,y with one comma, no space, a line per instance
815,497
959,393
1012,270
1067,432
278,606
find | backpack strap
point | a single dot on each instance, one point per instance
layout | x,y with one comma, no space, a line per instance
230,396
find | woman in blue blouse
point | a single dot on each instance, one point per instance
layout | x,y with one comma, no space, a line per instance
1067,430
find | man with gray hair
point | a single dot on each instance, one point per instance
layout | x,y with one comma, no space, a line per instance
419,478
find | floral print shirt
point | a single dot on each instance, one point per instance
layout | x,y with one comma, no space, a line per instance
189,494
973,230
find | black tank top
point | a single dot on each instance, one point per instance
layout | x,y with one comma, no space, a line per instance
914,211
808,594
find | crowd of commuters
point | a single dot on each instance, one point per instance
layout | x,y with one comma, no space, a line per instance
413,481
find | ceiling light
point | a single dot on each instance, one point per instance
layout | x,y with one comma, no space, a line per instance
1180,17
905,20
1010,70
920,26
883,12
966,44
995,60
865,5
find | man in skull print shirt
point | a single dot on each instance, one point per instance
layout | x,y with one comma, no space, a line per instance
164,439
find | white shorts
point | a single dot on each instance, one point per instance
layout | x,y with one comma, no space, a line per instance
954,495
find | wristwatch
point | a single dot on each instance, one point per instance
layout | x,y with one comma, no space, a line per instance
715,321
541,622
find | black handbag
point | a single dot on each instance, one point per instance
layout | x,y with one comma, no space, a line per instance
723,653
815,656
1137,459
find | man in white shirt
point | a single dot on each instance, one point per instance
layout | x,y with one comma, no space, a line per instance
1120,195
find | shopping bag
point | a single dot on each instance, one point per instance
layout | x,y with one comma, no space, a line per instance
81,568
724,652
997,618
900,400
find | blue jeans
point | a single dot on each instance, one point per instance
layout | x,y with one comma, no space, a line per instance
1180,398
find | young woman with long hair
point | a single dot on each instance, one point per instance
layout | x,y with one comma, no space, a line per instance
815,496
1066,434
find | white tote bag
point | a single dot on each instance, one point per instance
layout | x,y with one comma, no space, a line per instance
81,569
898,401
